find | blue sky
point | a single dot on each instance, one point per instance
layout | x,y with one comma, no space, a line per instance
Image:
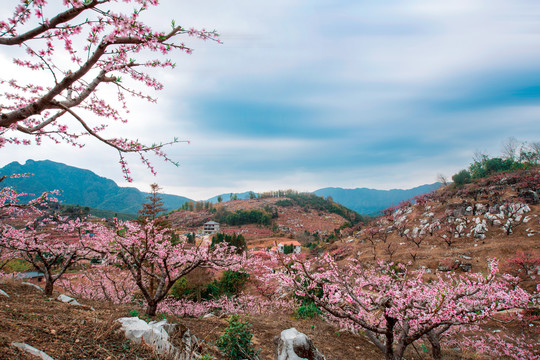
310,94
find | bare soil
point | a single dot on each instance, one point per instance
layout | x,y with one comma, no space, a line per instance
67,332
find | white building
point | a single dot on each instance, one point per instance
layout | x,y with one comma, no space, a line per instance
297,247
211,227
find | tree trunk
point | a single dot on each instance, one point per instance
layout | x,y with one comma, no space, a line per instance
435,345
151,309
49,286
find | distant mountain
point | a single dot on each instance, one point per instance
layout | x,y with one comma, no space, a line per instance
370,201
80,186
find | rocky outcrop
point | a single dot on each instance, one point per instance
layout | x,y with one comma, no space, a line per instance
157,334
294,345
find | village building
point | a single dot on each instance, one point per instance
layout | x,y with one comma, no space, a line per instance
297,247
210,227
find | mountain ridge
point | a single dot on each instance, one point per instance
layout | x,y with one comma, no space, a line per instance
80,186
84,187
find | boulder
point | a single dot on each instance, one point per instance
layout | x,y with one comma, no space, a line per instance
294,345
31,350
530,196
465,267
156,334
68,300
32,285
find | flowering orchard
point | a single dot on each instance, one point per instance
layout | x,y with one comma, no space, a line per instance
155,259
72,53
396,307
52,244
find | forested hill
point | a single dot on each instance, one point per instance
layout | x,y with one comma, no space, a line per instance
80,186
370,201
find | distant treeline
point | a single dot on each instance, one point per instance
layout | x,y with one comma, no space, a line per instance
317,203
236,240
516,156
244,217
196,205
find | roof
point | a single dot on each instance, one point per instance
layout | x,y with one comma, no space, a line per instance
211,223
30,275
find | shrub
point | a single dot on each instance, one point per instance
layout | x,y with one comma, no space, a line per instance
307,310
232,282
461,178
235,342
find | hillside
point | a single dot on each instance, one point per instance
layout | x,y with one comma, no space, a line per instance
362,200
80,187
67,332
293,214
457,227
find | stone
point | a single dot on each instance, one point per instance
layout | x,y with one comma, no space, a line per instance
530,196
209,315
33,285
156,334
466,267
466,257
294,345
2,292
68,300
31,350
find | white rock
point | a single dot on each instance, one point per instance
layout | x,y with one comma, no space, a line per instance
68,300
32,350
32,285
154,334
291,340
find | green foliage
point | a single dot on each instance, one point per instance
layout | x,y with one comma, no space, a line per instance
135,313
288,249
179,289
461,178
485,166
235,341
197,205
18,265
191,238
231,282
488,166
284,202
307,310
243,217
236,240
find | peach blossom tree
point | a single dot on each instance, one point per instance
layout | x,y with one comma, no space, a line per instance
396,307
73,49
155,259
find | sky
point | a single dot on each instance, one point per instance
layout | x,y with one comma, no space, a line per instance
306,94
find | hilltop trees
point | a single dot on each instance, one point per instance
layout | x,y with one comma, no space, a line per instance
89,45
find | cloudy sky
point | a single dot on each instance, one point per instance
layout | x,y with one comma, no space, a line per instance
307,94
